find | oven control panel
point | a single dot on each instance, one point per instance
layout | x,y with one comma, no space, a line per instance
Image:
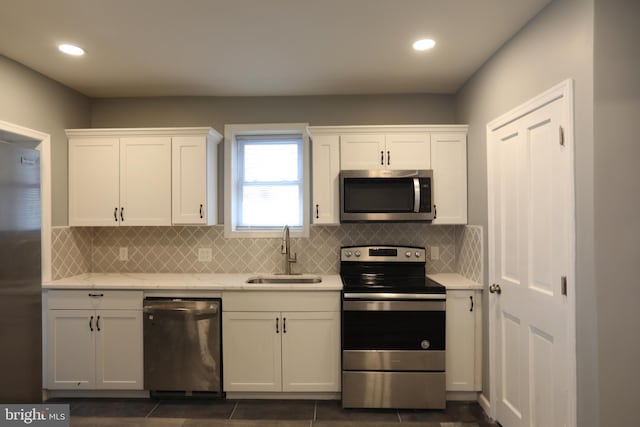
383,254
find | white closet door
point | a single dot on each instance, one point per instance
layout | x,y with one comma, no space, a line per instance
530,208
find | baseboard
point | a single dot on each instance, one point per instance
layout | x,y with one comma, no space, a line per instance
484,404
52,394
466,396
281,395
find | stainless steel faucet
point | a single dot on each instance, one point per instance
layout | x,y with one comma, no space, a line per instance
285,249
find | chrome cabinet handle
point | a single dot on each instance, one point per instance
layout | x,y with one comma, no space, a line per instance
382,158
277,325
98,324
201,214
495,289
388,158
471,300
122,214
115,214
91,323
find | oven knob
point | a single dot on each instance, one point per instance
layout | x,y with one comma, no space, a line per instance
347,254
425,344
407,254
357,253
417,254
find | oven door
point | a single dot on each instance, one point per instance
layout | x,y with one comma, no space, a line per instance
393,354
393,335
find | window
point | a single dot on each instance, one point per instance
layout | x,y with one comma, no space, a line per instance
267,175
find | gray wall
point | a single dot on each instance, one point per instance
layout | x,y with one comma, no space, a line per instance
556,45
316,110
31,100
617,208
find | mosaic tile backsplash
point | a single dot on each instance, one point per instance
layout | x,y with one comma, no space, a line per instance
469,255
175,249
70,251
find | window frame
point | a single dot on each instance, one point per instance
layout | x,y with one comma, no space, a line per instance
231,193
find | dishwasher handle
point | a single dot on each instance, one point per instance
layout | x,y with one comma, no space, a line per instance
183,310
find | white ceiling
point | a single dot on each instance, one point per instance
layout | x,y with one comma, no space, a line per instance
259,47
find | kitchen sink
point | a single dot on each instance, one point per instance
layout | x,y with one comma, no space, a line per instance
285,278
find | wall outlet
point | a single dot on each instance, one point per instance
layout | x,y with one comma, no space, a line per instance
124,253
435,253
204,254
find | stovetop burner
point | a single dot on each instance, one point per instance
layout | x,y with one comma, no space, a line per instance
386,269
410,285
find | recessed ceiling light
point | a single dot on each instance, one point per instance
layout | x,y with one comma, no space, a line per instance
424,44
70,49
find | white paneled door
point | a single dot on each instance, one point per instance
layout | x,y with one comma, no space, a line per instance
531,265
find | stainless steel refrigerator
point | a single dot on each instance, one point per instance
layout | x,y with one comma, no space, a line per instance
20,276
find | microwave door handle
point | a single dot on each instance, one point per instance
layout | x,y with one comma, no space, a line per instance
416,195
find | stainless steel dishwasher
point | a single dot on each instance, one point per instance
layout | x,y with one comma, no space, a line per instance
182,345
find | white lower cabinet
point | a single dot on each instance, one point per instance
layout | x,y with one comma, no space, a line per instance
252,351
281,351
463,340
94,342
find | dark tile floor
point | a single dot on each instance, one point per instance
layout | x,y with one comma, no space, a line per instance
261,413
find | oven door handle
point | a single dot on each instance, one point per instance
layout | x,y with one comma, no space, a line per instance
383,296
415,305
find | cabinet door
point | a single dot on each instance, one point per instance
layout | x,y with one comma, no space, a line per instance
70,349
93,181
119,349
311,351
449,164
145,180
362,151
326,170
463,340
251,357
408,151
189,180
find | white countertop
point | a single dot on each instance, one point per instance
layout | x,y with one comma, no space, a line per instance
454,281
187,281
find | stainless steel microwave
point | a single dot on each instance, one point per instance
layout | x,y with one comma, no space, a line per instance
386,195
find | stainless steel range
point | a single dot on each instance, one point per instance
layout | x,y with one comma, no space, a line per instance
393,329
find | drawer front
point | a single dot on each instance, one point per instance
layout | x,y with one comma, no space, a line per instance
280,301
416,390
95,299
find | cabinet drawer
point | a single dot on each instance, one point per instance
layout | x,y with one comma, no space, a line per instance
280,301
95,299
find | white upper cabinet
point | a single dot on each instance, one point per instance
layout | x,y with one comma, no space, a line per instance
194,180
325,208
94,181
442,148
384,151
145,181
130,177
408,151
362,151
449,164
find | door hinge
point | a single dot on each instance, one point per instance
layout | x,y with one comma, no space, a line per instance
561,136
563,285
